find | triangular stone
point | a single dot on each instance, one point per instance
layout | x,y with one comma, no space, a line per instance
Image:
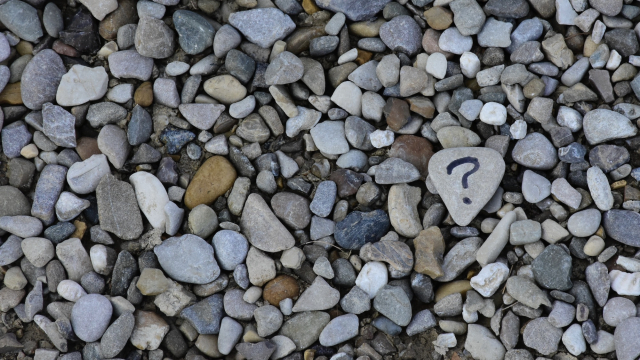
451,169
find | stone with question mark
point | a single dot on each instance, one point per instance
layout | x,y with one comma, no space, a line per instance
466,179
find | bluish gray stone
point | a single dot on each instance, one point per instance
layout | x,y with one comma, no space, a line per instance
188,259
48,189
195,33
205,315
262,27
14,137
22,19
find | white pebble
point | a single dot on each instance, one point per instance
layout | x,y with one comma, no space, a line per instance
469,64
437,65
120,93
381,138
493,114
70,290
372,277
349,56
518,129
252,294
614,60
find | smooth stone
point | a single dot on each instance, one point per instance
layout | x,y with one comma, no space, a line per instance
305,328
262,27
394,303
490,165
602,125
626,348
151,196
130,64
482,344
188,258
90,317
41,78
195,33
541,336
339,330
214,178
262,228
552,268
535,151
205,315
21,19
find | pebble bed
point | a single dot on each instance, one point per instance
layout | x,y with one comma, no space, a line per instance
319,179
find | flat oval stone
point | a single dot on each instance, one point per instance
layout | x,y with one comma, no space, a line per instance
22,19
188,258
214,178
90,317
40,79
602,125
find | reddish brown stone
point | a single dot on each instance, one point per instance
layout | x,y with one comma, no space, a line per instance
86,147
348,181
397,113
414,150
280,288
64,49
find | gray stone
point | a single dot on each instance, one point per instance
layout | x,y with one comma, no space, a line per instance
535,151
195,33
112,141
422,321
262,27
22,19
356,301
230,248
117,335
90,317
262,228
305,328
48,190
489,167
354,10
268,320
402,34
102,113
205,315
541,336
154,38
188,259
319,296
118,209
552,268
59,125
339,330
602,125
14,137
627,348
130,64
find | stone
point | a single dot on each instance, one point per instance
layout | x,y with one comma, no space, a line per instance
305,328
116,336
285,68
262,27
490,279
485,161
319,296
535,151
602,125
131,64
230,248
149,330
81,85
262,228
339,330
552,268
118,212
359,228
173,254
467,16
154,39
541,336
21,19
194,32
482,344
599,188
214,178
526,292
112,141
41,78
392,302
90,317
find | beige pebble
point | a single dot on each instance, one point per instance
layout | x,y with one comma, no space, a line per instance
30,151
594,246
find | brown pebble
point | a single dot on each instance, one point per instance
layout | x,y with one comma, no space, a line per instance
64,49
397,113
415,150
81,228
214,178
86,147
310,6
144,94
11,95
363,57
438,17
280,288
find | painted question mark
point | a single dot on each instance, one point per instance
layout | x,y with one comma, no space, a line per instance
465,177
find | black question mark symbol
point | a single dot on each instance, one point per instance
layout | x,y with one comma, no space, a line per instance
465,177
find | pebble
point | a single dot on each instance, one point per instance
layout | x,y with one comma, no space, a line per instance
90,317
339,330
262,27
94,85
